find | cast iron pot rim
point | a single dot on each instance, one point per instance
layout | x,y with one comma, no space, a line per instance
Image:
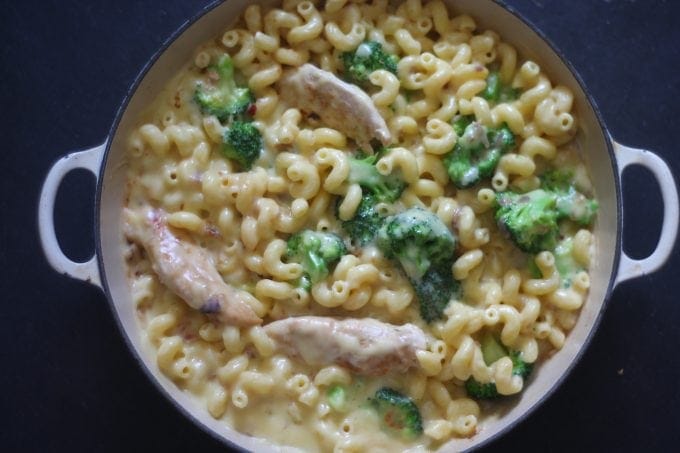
154,380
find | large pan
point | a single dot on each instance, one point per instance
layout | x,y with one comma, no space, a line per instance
605,158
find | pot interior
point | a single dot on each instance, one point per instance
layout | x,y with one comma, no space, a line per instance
592,139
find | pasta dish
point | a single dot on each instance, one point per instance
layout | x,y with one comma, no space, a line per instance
357,225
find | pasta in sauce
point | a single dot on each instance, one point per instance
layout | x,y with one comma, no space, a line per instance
226,307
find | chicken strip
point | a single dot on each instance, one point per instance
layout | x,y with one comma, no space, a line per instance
342,106
187,269
365,346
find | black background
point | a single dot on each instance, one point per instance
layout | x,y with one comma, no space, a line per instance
67,380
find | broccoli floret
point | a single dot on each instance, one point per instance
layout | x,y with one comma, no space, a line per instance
366,222
337,398
493,87
571,203
398,412
417,239
530,219
369,56
385,188
435,290
225,99
519,366
243,143
557,180
576,206
497,91
317,252
424,247
481,391
476,152
501,137
461,122
492,350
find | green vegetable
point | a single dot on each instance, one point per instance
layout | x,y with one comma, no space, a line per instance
337,398
493,350
366,222
417,239
576,206
425,248
224,99
317,252
530,219
398,412
571,203
242,142
477,151
369,56
435,290
385,188
496,91
461,122
557,180
519,366
481,391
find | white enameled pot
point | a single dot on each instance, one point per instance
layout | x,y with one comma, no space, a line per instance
605,158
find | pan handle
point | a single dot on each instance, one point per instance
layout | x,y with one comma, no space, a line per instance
632,268
89,160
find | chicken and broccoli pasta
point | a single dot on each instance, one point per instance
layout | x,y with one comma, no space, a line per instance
351,222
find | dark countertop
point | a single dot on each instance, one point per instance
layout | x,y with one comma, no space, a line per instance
68,381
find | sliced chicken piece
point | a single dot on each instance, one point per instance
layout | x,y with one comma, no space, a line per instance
365,346
342,106
187,269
